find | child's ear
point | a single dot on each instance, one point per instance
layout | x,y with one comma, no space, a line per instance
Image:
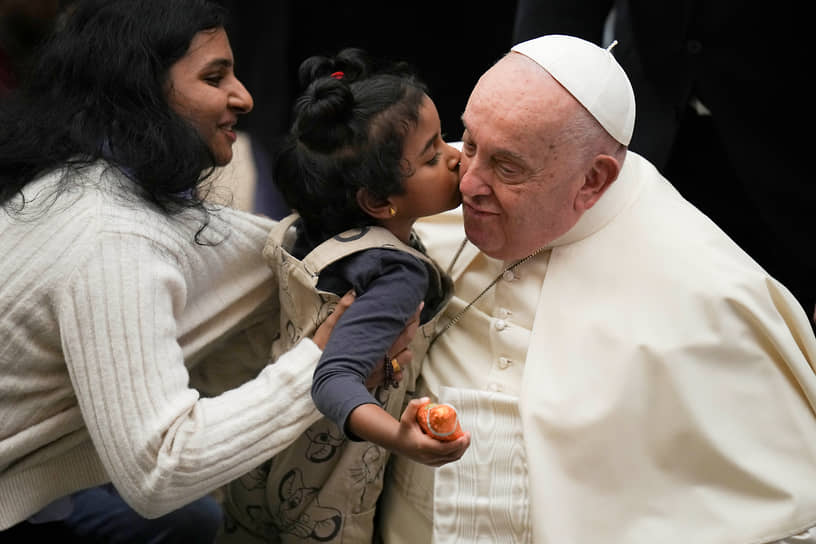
373,206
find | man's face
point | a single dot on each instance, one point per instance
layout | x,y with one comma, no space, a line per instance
520,177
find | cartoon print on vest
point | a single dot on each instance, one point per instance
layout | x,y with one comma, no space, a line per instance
327,305
252,514
369,471
322,525
254,521
322,445
255,478
293,332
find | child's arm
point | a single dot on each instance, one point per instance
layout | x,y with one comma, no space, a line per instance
404,437
389,285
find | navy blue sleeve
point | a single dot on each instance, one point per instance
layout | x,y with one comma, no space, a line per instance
390,285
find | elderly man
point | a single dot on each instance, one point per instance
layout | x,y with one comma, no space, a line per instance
628,373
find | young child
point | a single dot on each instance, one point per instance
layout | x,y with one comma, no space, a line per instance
365,158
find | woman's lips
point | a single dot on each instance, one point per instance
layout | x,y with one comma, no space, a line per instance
229,130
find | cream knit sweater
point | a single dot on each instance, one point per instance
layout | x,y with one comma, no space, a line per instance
104,305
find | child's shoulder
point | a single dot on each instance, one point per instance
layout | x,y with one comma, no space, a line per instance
384,261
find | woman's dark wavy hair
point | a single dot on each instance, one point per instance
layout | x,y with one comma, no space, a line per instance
99,91
348,134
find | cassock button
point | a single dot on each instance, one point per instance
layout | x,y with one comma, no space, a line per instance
501,324
508,275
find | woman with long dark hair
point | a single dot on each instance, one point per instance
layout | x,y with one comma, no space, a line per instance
118,277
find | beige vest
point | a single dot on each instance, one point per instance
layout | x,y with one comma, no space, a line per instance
323,487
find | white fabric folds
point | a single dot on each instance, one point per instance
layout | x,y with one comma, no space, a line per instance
483,497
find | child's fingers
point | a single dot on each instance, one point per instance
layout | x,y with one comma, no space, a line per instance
453,451
410,412
436,453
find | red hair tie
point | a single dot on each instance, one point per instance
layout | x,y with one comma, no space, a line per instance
338,75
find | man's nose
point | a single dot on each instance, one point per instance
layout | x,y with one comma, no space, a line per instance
473,177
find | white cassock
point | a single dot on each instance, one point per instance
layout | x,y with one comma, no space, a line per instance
663,387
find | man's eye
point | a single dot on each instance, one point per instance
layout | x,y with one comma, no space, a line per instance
508,172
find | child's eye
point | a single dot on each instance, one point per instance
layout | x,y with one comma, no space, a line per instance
435,159
214,80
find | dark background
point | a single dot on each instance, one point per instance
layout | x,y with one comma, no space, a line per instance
450,44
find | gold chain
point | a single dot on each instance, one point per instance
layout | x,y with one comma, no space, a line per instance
459,315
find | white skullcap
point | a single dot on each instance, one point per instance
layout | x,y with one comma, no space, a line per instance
592,75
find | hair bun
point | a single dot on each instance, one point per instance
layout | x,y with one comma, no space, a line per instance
322,115
324,110
352,62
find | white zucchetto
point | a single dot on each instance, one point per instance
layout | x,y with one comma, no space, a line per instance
592,75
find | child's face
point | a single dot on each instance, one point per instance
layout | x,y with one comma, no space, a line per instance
433,185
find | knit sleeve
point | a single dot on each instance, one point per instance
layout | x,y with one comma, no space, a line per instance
161,444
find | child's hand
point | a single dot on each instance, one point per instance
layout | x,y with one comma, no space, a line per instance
439,421
419,447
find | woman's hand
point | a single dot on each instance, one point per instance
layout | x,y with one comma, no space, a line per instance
398,351
323,332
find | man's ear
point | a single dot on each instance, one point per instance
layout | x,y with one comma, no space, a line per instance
373,206
603,171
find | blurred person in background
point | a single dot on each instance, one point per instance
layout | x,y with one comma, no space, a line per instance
719,89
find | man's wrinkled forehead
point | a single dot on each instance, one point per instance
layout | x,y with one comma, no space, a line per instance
514,72
518,92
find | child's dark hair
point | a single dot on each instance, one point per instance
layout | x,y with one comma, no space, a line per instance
348,133
99,91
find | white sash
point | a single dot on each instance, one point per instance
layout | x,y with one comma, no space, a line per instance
483,497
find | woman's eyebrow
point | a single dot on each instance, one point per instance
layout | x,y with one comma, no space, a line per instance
218,63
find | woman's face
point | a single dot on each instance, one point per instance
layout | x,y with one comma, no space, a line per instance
203,89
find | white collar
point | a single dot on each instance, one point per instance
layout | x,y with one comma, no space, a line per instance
620,194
